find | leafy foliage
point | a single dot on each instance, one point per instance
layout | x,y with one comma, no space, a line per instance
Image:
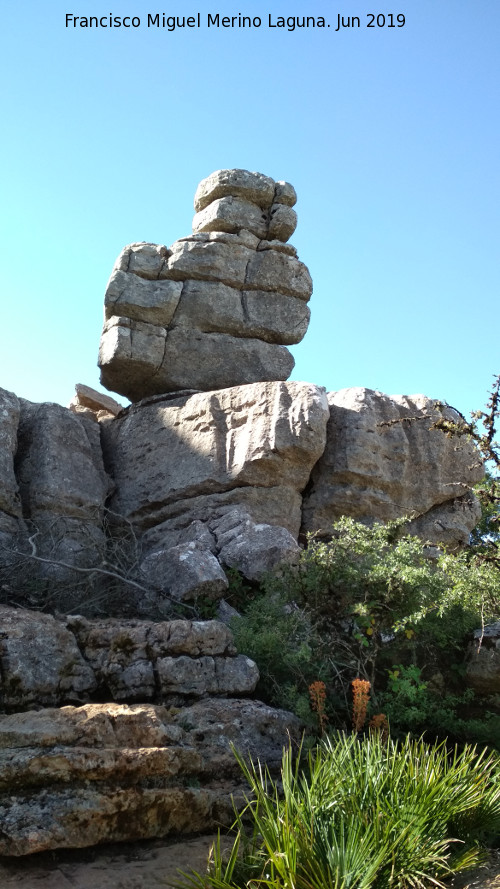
482,429
369,813
361,604
413,703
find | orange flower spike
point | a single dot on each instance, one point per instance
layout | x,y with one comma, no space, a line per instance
361,697
317,693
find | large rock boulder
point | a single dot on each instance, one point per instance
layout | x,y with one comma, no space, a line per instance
63,486
385,459
92,404
78,776
40,662
252,549
181,459
233,294
10,501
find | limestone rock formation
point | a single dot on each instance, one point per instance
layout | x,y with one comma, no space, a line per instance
63,484
49,662
191,568
383,460
92,404
252,549
120,728
177,460
483,661
183,572
10,501
78,776
216,309
40,662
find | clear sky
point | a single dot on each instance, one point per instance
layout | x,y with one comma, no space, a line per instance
389,135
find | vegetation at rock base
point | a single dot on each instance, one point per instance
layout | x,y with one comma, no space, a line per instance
361,813
376,604
369,604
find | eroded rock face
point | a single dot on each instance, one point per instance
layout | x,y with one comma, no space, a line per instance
10,501
78,776
188,563
92,404
234,294
184,572
483,661
40,662
62,483
179,460
252,549
49,662
383,460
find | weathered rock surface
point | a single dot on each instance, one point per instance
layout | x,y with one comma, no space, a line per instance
179,460
78,776
450,523
10,501
141,299
184,572
92,404
216,294
483,661
49,662
40,662
384,460
63,484
186,564
252,549
253,187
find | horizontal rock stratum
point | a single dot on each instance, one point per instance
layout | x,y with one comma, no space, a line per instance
217,308
77,776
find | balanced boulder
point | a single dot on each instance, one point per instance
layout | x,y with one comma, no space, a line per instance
217,308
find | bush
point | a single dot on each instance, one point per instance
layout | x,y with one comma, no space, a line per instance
366,604
363,814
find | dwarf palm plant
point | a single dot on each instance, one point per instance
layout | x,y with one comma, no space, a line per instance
361,814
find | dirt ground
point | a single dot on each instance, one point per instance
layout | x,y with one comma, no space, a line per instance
146,865
150,865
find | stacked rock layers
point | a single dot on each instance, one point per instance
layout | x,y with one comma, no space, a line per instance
154,759
217,308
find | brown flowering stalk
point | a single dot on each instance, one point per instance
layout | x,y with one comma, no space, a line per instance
361,697
379,725
317,693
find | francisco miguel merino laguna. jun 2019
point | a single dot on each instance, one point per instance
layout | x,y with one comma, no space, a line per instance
161,20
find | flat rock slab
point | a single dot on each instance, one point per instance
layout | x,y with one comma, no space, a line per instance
144,865
75,777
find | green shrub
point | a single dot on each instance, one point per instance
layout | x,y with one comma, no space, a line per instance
363,605
362,814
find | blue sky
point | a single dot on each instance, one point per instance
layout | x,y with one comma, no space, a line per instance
390,136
